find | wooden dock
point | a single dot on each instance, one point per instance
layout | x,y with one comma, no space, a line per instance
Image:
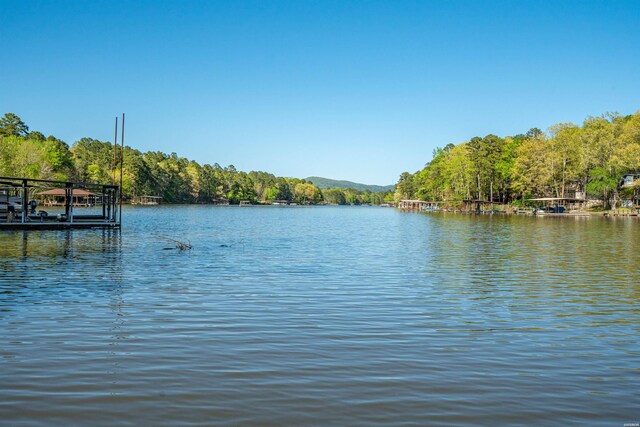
461,206
419,205
146,200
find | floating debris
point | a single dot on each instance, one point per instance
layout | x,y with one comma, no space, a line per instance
179,245
232,244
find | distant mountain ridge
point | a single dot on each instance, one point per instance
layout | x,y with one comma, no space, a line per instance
324,183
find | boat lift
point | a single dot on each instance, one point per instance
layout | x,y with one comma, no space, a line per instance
18,205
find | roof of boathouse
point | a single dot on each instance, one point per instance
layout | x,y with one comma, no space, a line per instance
62,192
556,199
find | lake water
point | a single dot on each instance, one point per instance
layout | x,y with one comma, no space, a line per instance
300,316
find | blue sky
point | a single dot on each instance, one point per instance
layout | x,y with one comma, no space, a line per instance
357,90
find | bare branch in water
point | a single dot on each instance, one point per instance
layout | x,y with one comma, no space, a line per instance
179,245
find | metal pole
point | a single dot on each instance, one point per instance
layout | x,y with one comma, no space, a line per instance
107,203
68,201
121,167
70,219
115,149
24,201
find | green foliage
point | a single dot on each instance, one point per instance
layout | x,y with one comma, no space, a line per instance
34,158
406,187
36,135
601,183
306,193
12,125
325,183
174,178
349,196
590,158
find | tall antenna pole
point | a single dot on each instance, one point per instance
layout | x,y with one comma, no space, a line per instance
121,167
115,149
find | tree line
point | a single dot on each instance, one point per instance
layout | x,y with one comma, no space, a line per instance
566,160
30,154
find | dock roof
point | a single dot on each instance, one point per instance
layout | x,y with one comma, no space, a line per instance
61,192
556,199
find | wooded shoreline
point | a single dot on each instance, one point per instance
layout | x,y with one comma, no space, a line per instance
598,161
29,154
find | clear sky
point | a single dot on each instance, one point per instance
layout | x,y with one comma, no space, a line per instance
357,90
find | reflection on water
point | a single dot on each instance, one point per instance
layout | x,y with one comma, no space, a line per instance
52,244
321,316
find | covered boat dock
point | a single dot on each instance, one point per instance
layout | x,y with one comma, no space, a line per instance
419,205
20,210
57,197
146,200
559,206
463,206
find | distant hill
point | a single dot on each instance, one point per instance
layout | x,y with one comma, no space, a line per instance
324,183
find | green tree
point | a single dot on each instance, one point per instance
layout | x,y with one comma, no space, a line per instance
305,193
485,153
530,172
334,196
505,164
36,135
602,184
11,124
406,187
457,170
563,156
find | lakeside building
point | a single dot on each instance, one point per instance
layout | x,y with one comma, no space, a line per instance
629,179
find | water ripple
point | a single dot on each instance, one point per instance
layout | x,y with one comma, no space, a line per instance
321,316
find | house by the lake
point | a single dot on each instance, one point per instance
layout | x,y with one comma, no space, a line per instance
629,179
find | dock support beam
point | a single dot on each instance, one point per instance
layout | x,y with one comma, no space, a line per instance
24,201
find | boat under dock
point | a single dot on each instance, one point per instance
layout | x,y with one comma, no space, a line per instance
22,203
